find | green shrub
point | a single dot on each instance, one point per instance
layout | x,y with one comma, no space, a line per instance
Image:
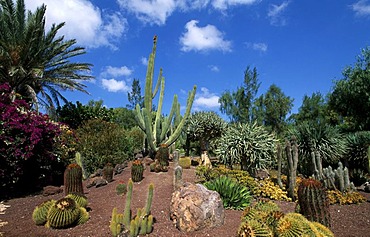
233,195
102,142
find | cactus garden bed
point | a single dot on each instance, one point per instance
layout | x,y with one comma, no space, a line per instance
347,220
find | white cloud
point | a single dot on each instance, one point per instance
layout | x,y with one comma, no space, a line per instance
113,85
361,8
214,68
224,4
203,38
157,11
275,13
144,61
257,46
84,22
117,71
152,12
206,100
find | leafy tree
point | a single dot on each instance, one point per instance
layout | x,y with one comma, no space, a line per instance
124,117
75,114
204,126
135,97
313,109
36,63
238,105
276,106
350,97
248,144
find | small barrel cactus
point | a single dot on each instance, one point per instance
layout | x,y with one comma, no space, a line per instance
73,179
40,213
81,200
185,162
64,213
137,171
108,171
313,201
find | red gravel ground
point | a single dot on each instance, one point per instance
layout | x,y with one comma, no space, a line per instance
347,221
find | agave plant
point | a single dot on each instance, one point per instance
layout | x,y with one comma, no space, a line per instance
356,153
324,140
233,194
248,144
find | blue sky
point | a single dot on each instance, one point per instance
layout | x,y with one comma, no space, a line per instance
302,46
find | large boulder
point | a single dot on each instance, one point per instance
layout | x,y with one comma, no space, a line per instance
194,207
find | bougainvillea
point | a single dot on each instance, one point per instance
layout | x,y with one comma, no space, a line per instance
27,141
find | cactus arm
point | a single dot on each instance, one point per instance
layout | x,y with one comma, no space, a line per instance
148,128
139,117
177,132
149,78
168,120
157,123
149,200
157,84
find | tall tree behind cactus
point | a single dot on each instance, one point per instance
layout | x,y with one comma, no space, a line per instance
156,133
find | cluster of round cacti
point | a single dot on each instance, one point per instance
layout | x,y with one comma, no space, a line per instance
343,198
264,218
63,213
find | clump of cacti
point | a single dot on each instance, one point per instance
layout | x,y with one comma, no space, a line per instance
40,213
337,179
313,201
108,171
264,218
73,179
141,224
137,171
63,213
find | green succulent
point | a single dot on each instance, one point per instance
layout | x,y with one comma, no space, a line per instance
64,213
233,195
40,213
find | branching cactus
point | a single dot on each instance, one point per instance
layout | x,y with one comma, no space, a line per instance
156,133
337,179
291,150
73,179
313,201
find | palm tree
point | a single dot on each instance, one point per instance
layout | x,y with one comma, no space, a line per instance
36,63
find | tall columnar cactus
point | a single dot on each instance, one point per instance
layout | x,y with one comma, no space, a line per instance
79,161
279,161
127,210
313,201
163,155
292,155
73,179
177,178
156,133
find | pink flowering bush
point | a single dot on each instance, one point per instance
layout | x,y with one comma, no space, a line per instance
27,138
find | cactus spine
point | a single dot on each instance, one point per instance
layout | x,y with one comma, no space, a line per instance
73,179
292,155
313,201
137,171
156,134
